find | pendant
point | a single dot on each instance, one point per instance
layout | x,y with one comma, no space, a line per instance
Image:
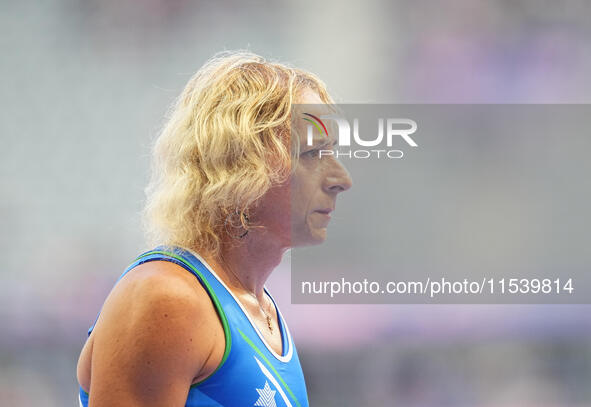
269,323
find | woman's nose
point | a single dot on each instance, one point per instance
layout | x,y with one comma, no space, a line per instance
338,179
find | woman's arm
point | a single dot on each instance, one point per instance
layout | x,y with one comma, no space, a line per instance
155,334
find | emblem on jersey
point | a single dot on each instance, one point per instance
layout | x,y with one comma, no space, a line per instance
266,396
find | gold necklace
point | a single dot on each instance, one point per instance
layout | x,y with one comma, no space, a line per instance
267,316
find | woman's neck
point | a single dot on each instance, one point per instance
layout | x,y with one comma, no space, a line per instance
250,263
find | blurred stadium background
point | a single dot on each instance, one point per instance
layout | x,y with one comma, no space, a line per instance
85,86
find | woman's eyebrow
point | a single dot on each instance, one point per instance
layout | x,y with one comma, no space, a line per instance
329,142
318,142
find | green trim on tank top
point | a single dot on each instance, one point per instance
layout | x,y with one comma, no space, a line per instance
262,355
216,303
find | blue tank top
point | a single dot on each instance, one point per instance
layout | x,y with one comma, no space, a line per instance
250,373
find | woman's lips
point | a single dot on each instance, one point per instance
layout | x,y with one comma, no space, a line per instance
326,212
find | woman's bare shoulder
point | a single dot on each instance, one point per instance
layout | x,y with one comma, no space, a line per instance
157,326
155,295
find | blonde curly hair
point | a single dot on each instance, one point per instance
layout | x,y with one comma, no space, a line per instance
225,143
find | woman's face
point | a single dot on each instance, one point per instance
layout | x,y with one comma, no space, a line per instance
298,212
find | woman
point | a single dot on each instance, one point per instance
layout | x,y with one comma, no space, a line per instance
191,323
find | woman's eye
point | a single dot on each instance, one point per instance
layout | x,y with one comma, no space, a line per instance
312,153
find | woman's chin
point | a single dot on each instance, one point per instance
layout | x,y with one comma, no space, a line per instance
315,237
